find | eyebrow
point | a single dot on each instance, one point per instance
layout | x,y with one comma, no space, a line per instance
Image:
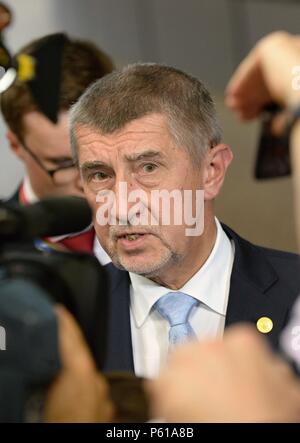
91,166
94,165
149,154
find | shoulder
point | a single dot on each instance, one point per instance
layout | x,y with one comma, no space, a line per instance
273,255
262,261
280,257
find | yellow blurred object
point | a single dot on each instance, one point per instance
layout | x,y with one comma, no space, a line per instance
26,67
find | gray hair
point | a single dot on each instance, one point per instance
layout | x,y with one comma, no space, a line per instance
145,88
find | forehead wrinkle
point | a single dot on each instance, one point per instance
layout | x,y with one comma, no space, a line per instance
154,124
112,140
127,139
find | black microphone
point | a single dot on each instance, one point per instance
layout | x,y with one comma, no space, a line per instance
47,218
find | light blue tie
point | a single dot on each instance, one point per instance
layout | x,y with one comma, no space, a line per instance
176,308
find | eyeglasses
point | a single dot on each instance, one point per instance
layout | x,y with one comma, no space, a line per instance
62,175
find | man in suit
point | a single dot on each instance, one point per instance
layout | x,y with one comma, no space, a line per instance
152,128
39,138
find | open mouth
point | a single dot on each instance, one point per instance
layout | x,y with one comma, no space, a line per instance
133,241
131,237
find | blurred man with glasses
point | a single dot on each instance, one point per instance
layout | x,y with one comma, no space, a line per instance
42,145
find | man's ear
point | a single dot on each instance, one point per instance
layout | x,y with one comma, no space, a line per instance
217,161
15,144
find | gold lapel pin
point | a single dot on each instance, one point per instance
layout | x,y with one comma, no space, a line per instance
264,325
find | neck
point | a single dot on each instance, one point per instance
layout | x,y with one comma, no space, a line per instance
176,277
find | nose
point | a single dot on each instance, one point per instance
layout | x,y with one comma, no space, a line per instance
127,197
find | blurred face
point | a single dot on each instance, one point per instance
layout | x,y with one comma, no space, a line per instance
143,156
50,149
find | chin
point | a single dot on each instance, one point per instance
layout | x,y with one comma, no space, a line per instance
147,268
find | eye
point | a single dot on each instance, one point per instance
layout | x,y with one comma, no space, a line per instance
149,167
98,176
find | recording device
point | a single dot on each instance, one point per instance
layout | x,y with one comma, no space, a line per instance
273,154
49,217
31,282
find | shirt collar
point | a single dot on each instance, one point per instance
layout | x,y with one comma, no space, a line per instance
210,285
100,253
28,193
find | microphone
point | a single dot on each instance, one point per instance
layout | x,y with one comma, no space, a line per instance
48,218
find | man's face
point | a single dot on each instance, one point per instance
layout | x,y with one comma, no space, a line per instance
50,144
144,157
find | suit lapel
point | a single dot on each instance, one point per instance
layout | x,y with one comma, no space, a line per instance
251,280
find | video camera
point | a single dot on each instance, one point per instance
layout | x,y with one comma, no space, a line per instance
31,282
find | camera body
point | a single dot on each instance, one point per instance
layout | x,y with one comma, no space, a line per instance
32,281
75,280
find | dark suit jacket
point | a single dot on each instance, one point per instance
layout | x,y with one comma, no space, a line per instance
264,283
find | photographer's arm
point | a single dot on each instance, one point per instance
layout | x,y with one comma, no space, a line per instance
270,73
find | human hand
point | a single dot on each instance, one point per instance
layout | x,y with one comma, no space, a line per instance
266,75
238,379
79,393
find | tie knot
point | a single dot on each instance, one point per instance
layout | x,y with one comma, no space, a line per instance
176,307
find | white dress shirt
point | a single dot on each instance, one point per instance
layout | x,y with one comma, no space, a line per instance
100,254
210,285
28,191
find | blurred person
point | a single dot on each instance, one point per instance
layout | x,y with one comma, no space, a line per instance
40,144
154,128
43,144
